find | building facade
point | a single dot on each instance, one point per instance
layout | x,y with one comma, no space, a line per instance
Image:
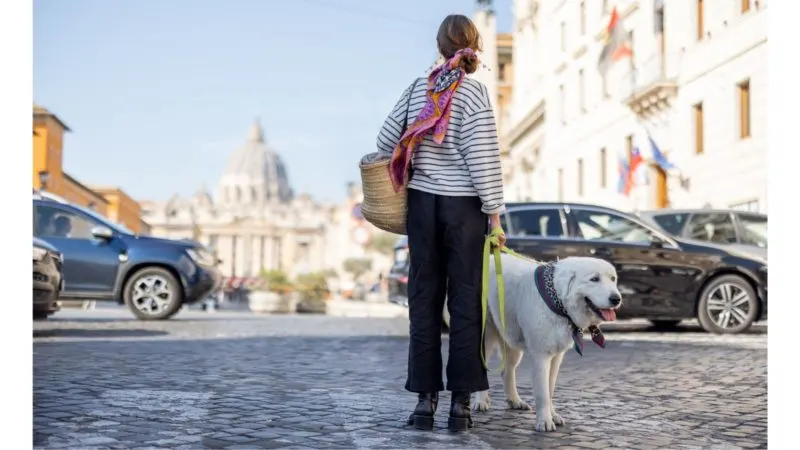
695,86
254,222
49,174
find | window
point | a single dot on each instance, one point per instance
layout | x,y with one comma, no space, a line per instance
603,168
563,36
536,223
700,27
629,147
262,255
54,222
583,18
698,128
233,255
213,241
754,229
580,176
561,185
597,225
716,228
501,72
672,223
582,90
744,109
562,100
745,6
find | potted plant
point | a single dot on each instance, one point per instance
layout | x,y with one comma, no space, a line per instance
276,297
313,292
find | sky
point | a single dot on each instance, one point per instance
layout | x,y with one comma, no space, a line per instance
158,94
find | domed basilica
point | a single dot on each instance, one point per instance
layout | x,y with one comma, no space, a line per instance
254,221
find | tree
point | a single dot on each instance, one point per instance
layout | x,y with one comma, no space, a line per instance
357,266
384,242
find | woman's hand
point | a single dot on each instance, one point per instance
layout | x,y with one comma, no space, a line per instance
494,222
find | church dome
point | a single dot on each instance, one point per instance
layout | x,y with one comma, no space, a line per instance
254,175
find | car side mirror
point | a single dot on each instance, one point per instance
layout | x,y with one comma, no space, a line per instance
656,242
102,232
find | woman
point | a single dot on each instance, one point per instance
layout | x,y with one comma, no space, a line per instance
450,145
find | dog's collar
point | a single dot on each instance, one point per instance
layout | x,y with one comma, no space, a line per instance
547,290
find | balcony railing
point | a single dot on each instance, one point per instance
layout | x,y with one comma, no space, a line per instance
646,76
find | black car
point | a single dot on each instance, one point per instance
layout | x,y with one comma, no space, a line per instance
397,279
47,278
103,260
662,278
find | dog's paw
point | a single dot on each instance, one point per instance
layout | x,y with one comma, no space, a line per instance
483,404
545,425
558,420
518,404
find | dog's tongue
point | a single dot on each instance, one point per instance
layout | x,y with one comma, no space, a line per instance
609,315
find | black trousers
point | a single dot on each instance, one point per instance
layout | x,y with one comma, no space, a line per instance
445,240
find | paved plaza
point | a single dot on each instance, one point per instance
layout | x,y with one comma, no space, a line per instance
237,380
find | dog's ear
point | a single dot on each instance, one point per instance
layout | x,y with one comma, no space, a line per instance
563,281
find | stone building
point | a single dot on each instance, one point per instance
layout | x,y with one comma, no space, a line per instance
696,85
255,222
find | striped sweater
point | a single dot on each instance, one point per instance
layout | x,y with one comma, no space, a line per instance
467,162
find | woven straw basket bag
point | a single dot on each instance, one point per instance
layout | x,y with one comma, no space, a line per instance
382,206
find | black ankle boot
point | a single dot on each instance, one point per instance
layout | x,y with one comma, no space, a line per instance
422,417
460,417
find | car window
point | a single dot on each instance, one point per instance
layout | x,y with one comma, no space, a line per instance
672,223
598,225
716,228
754,229
536,222
54,222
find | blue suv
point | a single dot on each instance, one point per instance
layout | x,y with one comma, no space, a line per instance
105,261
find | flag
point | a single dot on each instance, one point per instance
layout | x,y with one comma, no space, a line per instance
623,185
617,44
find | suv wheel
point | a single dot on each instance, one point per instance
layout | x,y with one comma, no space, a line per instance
153,293
728,305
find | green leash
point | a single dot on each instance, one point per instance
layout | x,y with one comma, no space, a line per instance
491,247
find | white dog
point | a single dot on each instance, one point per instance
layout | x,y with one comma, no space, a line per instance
587,294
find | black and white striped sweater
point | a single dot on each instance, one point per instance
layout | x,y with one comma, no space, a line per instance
467,162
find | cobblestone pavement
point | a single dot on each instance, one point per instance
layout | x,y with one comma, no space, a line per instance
234,380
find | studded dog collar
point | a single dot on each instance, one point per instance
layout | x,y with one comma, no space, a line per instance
547,290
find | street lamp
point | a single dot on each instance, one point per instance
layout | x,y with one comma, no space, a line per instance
44,177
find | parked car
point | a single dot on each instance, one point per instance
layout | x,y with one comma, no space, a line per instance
397,279
103,260
745,231
662,278
47,279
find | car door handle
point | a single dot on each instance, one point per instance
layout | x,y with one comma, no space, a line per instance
602,252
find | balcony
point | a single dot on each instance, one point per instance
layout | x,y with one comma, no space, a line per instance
649,87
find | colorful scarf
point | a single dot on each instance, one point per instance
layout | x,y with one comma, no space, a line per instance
434,117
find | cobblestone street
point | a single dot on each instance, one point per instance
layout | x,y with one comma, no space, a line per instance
235,380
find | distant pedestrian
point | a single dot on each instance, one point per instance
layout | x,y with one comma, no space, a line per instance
455,190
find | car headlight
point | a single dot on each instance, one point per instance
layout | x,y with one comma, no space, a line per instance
39,253
202,257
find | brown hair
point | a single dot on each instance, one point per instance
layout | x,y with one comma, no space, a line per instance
457,32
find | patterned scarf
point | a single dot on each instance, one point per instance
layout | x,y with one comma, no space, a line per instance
434,117
544,284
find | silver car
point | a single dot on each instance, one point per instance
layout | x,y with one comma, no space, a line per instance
742,230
